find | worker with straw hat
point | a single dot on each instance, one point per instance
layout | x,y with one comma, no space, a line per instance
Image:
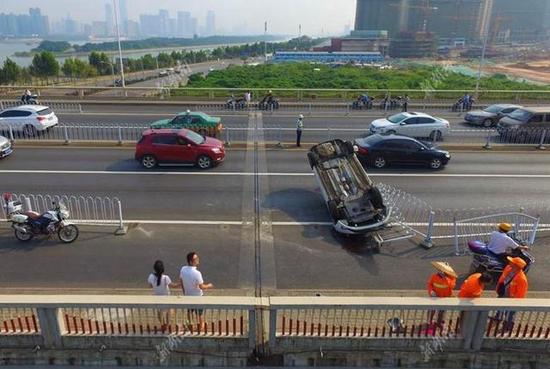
441,284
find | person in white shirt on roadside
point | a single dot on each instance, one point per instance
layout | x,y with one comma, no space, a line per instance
161,283
193,284
501,244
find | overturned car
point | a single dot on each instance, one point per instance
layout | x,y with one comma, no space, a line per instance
355,204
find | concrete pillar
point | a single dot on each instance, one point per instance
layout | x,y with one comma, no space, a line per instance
468,327
48,319
479,330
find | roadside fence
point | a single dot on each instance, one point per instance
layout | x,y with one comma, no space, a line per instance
85,210
62,107
293,323
458,226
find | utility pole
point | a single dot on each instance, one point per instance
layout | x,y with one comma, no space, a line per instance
265,41
115,7
487,26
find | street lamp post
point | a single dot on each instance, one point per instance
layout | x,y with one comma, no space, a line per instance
119,45
486,28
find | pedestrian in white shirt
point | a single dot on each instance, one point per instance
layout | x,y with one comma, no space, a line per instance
299,128
161,283
501,244
193,284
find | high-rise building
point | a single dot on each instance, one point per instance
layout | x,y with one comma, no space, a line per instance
210,23
123,16
149,25
164,16
39,23
526,20
193,26
109,19
184,23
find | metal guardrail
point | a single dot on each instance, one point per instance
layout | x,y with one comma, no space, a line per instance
62,107
128,132
285,93
84,210
304,321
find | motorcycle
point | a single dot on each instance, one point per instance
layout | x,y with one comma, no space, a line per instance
362,102
269,103
27,225
235,103
486,261
29,99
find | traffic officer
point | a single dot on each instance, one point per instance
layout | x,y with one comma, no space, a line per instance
299,127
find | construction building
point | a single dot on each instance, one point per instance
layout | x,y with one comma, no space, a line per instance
514,20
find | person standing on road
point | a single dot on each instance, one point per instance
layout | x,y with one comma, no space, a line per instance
247,98
161,284
512,284
193,284
474,285
299,128
441,284
405,103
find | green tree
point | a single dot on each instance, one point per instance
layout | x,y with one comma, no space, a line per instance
44,65
101,62
10,72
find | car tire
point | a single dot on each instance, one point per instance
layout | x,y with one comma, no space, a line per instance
379,162
29,130
335,213
204,162
376,198
148,161
436,164
437,135
313,159
488,123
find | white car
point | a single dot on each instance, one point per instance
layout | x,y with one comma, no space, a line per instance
5,147
29,119
412,124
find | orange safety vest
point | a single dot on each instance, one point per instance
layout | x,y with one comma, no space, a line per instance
442,285
472,287
517,288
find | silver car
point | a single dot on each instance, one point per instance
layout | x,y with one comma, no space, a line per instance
412,125
490,116
5,147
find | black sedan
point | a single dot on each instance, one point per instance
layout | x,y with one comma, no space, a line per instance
490,116
383,150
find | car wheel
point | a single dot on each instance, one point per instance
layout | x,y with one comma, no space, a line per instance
380,162
29,130
204,162
487,123
436,164
437,135
149,161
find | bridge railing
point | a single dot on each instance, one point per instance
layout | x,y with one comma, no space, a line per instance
297,322
286,94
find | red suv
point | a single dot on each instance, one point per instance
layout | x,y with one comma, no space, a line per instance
182,146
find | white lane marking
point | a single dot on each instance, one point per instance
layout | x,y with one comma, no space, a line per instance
274,174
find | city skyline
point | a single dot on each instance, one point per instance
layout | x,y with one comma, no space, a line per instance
231,16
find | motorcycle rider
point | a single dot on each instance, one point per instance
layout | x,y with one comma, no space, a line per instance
501,243
26,96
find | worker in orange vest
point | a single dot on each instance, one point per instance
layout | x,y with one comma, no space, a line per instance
512,284
474,285
441,284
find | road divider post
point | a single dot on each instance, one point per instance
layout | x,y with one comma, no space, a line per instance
542,139
488,142
121,230
66,135
427,242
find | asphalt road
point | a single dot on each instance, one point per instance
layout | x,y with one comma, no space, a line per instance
279,128
298,256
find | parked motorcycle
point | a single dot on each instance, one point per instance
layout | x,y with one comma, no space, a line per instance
486,261
235,103
269,103
29,99
362,102
27,225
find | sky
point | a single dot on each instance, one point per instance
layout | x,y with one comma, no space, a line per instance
283,16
